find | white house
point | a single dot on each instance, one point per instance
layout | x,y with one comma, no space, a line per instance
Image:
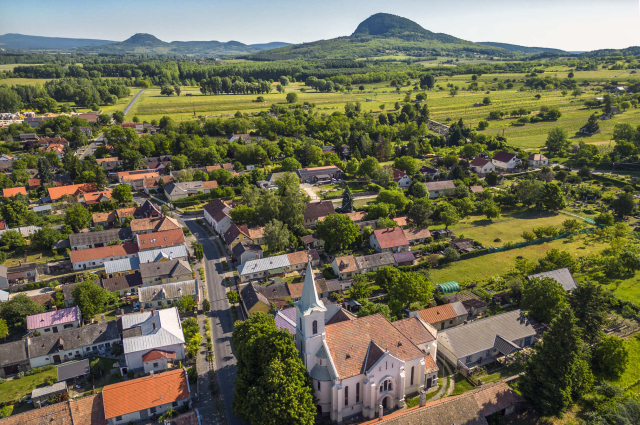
148,331
216,213
482,166
441,188
402,178
356,364
536,160
506,161
91,258
158,296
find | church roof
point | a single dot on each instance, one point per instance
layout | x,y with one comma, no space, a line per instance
309,300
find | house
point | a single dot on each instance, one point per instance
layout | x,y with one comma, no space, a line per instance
29,137
216,213
298,260
389,240
180,190
417,235
97,239
33,183
316,210
165,272
402,178
123,213
79,411
123,284
67,292
506,160
54,321
441,188
110,164
129,176
253,301
256,234
371,263
164,254
149,209
482,166
344,267
482,341
537,160
166,294
120,267
154,224
276,292
476,189
97,197
142,398
324,288
354,363
76,191
312,241
106,219
562,276
236,234
13,358
164,239
245,251
312,175
8,193
25,272
243,137
443,316
71,344
430,173
152,185
147,331
263,268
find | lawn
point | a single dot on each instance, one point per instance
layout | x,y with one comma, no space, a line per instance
480,268
108,315
33,257
630,379
501,373
16,388
462,385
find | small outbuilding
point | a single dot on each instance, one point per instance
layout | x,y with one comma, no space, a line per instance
448,287
40,395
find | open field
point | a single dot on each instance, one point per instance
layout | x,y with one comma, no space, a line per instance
631,376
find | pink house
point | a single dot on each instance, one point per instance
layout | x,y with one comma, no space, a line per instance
54,321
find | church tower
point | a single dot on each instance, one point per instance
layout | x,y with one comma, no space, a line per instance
310,313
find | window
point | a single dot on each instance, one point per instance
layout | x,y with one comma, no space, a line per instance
152,410
315,327
300,323
68,325
169,302
159,303
319,387
108,344
155,364
358,392
468,359
118,418
174,404
450,322
412,373
390,385
47,330
346,396
488,353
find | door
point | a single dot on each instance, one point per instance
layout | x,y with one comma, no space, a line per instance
442,326
55,329
56,358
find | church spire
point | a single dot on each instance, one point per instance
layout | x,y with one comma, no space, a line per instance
309,300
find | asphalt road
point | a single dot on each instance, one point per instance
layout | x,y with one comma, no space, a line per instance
133,101
90,150
221,318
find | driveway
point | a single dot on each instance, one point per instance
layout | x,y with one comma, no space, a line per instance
309,191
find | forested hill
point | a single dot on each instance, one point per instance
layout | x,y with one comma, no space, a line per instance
34,42
380,35
523,49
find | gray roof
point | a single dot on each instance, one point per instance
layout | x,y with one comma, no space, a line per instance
67,290
184,187
250,296
243,247
320,373
376,260
562,276
274,290
102,236
122,282
505,346
264,264
160,329
316,171
13,352
459,308
169,291
4,296
42,208
442,185
172,252
73,369
122,265
51,389
480,335
165,268
73,339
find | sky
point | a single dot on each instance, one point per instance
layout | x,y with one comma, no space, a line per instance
565,24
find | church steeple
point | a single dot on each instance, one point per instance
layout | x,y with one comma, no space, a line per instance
309,301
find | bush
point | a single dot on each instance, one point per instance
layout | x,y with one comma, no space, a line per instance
20,375
50,380
192,373
206,305
130,374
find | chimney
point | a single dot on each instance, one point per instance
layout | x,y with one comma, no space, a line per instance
154,326
151,374
423,398
151,311
54,308
141,309
102,319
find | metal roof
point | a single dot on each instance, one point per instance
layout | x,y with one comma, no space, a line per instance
123,265
42,208
264,264
173,252
448,287
51,389
74,369
562,276
160,329
167,291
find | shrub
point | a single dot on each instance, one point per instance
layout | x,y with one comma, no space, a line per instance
50,380
192,373
20,375
130,374
206,305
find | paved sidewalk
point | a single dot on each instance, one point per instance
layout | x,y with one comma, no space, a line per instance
205,402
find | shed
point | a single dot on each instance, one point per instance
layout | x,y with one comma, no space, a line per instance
45,393
73,370
448,287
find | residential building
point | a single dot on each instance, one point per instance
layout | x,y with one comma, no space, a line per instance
444,316
404,258
129,176
245,251
236,234
149,209
324,288
562,276
106,219
216,213
263,268
482,166
124,284
312,175
298,260
76,191
152,185
252,300
165,272
317,210
166,294
371,263
164,254
244,137
91,258
430,173
355,363
344,267
256,234
147,331
312,241
476,189
164,239
482,341
417,235
537,160
13,359
54,321
506,160
120,267
79,411
123,213
140,399
389,240
441,188
154,224
402,178
276,292
70,344
8,193
475,307
101,238
180,190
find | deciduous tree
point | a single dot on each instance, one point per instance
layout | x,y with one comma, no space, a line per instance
338,231
543,297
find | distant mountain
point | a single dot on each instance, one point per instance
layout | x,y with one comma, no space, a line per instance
629,51
267,46
522,49
34,42
381,34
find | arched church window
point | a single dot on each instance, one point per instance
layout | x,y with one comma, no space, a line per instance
315,327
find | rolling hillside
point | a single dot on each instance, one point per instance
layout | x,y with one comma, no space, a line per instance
523,49
34,42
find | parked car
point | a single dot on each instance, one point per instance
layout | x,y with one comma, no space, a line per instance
136,306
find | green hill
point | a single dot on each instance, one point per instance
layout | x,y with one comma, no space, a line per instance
34,42
380,35
523,49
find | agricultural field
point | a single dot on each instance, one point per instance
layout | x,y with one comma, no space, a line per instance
443,106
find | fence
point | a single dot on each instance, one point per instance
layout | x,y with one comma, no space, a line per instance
588,220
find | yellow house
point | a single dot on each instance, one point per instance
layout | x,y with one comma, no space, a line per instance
253,301
236,234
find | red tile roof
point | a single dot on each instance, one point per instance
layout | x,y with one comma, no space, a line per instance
34,182
58,192
157,355
315,210
88,410
156,224
144,393
96,197
160,239
414,329
438,314
103,252
7,193
391,238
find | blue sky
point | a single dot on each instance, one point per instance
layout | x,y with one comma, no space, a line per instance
564,24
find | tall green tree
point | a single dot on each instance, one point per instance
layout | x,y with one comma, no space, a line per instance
44,169
610,357
276,235
360,289
407,288
16,310
77,216
338,231
122,193
624,204
90,297
589,303
557,140
543,298
419,212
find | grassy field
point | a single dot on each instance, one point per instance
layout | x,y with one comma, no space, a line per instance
461,385
33,257
630,379
10,66
16,388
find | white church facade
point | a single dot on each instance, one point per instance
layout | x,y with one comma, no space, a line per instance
362,365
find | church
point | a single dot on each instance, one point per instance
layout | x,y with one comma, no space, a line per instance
365,365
